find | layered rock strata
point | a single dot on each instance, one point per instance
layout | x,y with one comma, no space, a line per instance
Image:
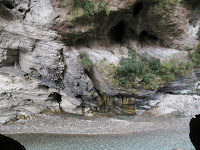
41,43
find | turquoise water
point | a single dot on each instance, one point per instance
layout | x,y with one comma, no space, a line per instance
145,141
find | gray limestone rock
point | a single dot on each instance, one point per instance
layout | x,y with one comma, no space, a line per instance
184,85
40,46
23,95
178,105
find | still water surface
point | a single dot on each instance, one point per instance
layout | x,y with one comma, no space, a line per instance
159,140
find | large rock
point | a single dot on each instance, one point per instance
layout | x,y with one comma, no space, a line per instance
178,105
43,41
133,25
23,95
28,42
184,85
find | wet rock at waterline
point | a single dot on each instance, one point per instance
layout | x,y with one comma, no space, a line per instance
116,104
7,143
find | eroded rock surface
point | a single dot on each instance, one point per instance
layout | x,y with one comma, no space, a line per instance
41,42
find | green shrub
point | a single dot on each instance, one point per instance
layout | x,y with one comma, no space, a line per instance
154,64
163,3
148,73
86,5
166,74
86,63
161,71
63,1
103,7
90,7
149,81
198,33
182,68
128,69
195,56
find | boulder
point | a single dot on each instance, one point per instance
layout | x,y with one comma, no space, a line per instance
177,105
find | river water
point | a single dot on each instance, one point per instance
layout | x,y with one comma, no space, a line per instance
153,140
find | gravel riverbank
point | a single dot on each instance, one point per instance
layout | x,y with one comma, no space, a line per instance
96,125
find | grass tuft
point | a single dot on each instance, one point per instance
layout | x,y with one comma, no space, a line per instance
86,63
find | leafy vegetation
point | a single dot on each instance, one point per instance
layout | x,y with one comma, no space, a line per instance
62,1
163,3
90,7
195,56
198,34
182,68
108,70
148,73
86,63
86,5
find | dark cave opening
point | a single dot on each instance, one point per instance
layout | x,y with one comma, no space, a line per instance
55,97
12,58
44,87
78,97
146,37
80,41
116,33
21,10
8,5
137,8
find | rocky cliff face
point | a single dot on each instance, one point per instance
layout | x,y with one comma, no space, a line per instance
41,43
